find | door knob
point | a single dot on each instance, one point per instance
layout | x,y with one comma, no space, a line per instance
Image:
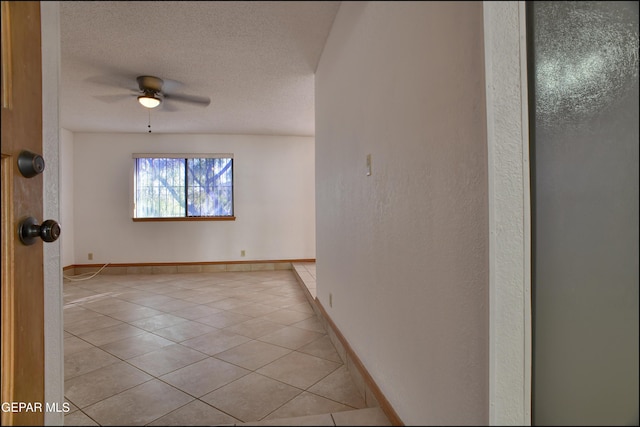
29,230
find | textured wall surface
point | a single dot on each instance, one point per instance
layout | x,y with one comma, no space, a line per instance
273,199
403,252
509,216
53,335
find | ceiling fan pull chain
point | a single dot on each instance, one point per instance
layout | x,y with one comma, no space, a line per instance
149,125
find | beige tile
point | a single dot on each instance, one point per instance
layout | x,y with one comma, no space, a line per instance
306,276
323,348
132,314
189,268
78,419
166,359
251,397
75,313
164,269
235,292
238,267
339,386
110,334
214,268
307,404
337,344
286,316
215,342
195,413
361,417
308,420
279,301
311,324
92,324
107,288
291,337
74,290
139,405
173,305
263,266
254,328
140,270
298,369
160,289
85,361
228,303
252,295
224,319
94,386
74,344
145,298
111,305
72,407
357,378
303,307
182,293
132,295
192,283
253,309
193,313
183,331
157,322
136,345
206,298
253,354
203,377
369,397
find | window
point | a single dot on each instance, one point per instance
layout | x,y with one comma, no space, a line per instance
190,186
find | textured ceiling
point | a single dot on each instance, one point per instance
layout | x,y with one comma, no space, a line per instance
254,60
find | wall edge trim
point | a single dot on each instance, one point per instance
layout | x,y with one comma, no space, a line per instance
180,264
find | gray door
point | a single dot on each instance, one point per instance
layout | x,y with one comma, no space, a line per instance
583,68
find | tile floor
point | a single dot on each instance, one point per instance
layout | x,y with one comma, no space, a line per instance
225,348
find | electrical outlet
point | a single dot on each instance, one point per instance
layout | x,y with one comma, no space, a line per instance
90,256
330,300
242,253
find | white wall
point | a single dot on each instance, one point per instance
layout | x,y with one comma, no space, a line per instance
66,197
509,213
273,190
404,252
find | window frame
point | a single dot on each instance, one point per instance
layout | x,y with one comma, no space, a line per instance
184,156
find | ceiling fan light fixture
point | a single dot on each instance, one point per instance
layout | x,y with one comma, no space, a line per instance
149,100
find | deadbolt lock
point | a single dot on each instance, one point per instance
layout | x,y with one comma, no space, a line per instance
30,164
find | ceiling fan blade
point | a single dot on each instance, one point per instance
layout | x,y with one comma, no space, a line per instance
171,85
201,101
168,107
115,81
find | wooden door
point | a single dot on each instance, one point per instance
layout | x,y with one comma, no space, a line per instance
22,265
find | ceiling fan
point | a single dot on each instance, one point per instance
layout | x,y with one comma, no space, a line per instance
152,92
153,95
